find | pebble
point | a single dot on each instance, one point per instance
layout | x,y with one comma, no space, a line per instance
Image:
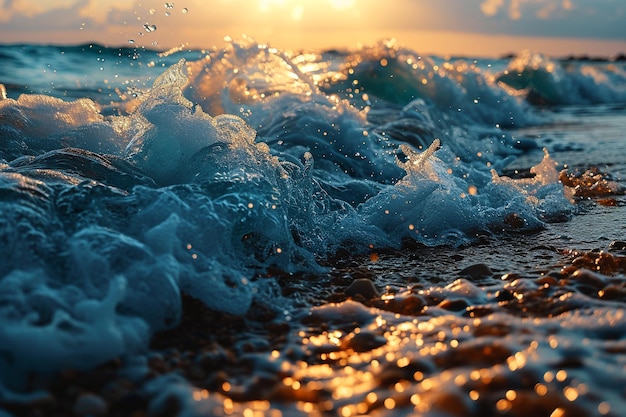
451,404
515,221
88,404
612,292
410,304
363,342
617,246
454,305
363,287
476,271
505,295
585,276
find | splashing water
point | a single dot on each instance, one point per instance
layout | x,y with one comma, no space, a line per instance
256,185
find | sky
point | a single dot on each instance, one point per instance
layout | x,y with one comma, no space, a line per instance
470,27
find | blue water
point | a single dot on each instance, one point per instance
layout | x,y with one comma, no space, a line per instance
130,178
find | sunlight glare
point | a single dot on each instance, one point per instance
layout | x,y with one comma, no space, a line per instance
297,8
342,4
266,5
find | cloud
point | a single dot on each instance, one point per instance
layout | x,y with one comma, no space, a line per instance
95,10
34,7
491,7
517,9
99,10
30,8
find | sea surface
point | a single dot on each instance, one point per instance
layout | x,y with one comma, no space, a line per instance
370,231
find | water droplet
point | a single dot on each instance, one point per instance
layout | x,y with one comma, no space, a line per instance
149,28
152,11
185,10
131,41
169,5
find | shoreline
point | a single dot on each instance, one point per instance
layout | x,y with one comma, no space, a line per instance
238,363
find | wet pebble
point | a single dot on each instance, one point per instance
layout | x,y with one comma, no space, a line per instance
392,373
515,221
452,404
585,276
88,404
363,287
211,360
166,406
130,403
618,246
483,353
478,311
458,304
505,295
304,394
409,304
362,342
547,280
613,292
476,271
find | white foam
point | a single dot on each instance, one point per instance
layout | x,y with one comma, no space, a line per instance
46,330
433,206
45,123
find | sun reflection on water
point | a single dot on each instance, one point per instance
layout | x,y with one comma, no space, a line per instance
356,359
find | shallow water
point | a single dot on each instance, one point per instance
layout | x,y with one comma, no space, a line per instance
247,231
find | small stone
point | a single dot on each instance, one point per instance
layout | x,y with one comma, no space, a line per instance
548,280
130,403
476,271
612,292
362,342
88,404
451,404
585,276
167,405
515,221
617,246
505,295
458,304
363,287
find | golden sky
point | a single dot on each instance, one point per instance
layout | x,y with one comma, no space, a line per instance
478,27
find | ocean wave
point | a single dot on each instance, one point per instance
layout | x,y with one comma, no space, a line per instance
245,160
545,81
